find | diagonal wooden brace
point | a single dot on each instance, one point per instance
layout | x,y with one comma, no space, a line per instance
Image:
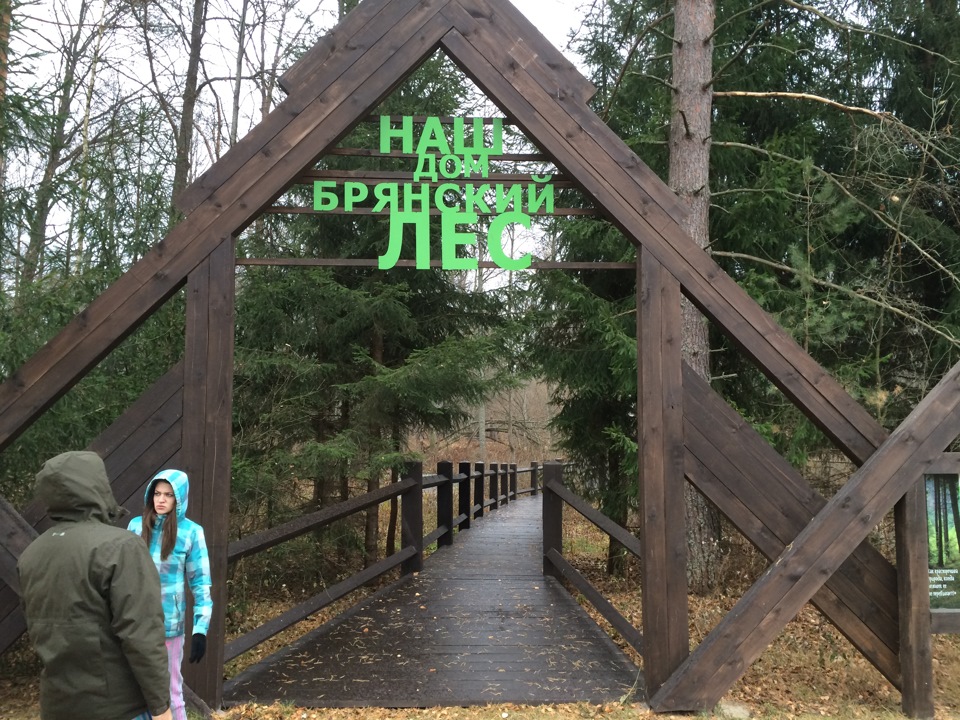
803,568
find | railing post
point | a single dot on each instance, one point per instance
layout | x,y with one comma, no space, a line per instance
445,502
411,518
505,482
479,490
513,481
465,496
552,516
534,478
494,490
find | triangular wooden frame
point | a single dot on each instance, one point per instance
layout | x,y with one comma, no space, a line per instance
332,88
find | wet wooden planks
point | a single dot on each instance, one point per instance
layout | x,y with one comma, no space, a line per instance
479,625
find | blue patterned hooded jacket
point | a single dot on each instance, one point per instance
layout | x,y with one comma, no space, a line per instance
189,562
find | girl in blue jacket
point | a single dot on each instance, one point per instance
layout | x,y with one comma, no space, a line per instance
179,551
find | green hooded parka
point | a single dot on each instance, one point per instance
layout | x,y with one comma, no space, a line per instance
91,596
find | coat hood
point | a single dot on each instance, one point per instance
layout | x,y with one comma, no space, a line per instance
74,486
181,489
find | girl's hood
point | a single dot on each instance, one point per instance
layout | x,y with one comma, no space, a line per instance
181,488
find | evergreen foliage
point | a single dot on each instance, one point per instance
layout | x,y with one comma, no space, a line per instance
833,177
584,345
337,366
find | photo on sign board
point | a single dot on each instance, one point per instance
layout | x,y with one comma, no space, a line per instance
943,544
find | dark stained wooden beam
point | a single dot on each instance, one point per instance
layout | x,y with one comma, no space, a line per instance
195,701
208,439
134,472
376,177
617,532
771,503
916,645
396,155
97,330
549,103
617,621
946,464
145,439
663,543
319,601
372,263
521,44
802,569
945,621
444,504
12,626
274,536
479,490
432,212
154,411
552,513
464,495
15,535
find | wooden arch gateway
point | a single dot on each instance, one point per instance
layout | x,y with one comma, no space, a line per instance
819,547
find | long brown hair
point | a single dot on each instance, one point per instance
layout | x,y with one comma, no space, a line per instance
169,537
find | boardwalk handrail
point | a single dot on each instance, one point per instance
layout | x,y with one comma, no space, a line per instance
319,601
555,493
267,539
501,479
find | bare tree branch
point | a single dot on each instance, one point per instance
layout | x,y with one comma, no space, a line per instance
774,94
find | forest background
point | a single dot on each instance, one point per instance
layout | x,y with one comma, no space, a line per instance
830,170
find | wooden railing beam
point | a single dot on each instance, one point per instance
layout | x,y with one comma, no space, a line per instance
464,495
445,502
552,516
253,544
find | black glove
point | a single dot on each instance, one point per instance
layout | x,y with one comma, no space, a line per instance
198,647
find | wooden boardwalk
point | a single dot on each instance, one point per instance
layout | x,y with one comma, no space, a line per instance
479,625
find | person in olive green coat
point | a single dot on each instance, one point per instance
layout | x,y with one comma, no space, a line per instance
91,596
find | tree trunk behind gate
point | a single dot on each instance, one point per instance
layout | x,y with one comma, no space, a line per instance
689,176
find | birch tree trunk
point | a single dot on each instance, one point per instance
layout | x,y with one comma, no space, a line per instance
689,176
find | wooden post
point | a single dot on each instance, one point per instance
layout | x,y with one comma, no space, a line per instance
465,495
913,584
494,486
15,536
663,574
411,518
207,440
479,490
505,483
552,516
445,502
534,476
513,481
